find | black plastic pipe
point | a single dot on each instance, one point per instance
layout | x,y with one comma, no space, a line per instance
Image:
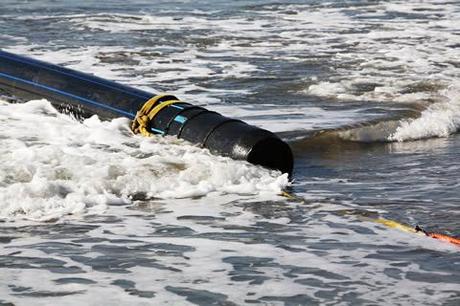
85,95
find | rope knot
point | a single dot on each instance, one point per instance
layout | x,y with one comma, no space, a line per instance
140,124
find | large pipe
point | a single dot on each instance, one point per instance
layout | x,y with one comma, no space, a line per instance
85,95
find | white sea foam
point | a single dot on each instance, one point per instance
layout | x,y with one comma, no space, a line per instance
438,120
394,57
53,166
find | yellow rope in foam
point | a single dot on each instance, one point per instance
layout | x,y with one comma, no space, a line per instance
292,197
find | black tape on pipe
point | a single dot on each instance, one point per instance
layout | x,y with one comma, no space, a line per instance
86,95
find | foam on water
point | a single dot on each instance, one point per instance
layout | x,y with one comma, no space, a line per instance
438,120
399,52
54,166
214,250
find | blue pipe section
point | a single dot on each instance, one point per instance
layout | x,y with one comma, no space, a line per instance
87,94
69,95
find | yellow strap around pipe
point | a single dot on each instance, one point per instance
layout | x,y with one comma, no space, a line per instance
159,107
148,111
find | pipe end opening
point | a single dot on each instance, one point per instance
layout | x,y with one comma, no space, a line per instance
272,153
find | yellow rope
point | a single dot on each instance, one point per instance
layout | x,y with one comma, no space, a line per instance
417,230
396,225
148,111
291,197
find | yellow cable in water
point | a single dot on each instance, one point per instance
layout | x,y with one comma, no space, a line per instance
417,230
396,225
291,197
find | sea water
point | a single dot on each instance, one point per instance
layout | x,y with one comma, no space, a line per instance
367,93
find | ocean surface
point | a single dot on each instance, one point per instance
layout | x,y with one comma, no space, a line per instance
367,93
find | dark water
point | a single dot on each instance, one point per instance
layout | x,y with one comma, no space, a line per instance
366,92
